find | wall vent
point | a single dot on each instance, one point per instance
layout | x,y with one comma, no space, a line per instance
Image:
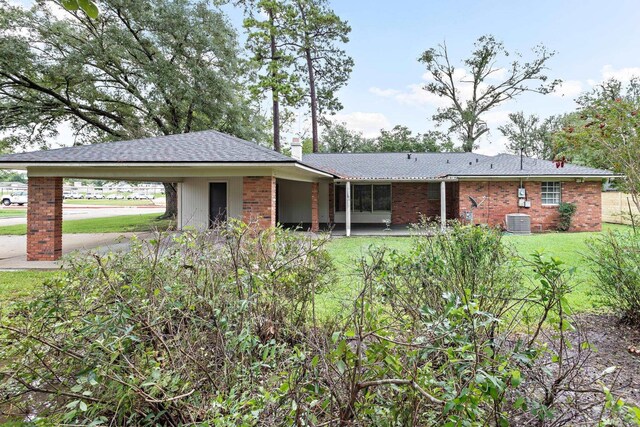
518,223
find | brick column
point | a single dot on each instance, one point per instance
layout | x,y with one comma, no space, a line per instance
315,224
44,219
259,200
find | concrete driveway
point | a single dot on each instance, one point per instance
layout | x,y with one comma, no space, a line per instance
13,248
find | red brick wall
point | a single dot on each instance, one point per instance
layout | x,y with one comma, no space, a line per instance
501,198
44,219
410,200
259,200
315,226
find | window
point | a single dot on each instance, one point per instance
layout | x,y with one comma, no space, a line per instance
551,193
364,197
433,191
381,197
341,197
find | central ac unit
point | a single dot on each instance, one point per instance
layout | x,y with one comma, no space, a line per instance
518,223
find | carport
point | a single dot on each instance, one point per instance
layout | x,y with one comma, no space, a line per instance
218,176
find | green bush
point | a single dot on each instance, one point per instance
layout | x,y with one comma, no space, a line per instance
566,210
218,329
615,260
470,262
177,331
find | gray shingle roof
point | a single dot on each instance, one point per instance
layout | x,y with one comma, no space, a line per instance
390,166
196,147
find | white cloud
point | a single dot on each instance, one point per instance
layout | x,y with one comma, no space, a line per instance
415,94
568,88
367,123
622,74
385,93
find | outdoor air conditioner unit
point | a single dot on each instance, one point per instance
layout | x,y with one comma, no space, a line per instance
518,223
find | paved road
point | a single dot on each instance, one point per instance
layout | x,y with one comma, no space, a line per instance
85,212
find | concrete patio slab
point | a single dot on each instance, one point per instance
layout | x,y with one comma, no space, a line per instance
13,248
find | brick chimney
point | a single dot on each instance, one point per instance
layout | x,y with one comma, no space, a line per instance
296,149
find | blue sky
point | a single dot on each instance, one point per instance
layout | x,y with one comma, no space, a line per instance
593,39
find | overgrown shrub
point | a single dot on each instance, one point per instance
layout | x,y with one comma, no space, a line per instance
217,329
566,210
615,260
177,331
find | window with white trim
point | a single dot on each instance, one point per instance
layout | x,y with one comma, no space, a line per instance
551,193
364,197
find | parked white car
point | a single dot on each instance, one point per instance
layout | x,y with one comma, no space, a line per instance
115,196
138,196
16,198
95,196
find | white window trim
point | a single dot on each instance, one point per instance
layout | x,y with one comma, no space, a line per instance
543,192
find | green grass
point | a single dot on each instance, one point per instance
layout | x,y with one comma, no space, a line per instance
105,202
569,247
115,224
13,213
15,285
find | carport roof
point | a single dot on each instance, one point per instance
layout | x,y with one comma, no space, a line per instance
195,147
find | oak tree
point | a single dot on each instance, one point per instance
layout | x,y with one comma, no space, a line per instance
142,68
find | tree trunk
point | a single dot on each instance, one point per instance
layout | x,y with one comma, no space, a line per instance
171,196
314,101
274,91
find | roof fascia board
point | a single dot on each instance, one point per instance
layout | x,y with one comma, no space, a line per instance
534,177
387,180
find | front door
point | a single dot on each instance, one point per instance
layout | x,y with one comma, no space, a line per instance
217,202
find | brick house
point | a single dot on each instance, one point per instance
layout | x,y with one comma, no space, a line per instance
221,177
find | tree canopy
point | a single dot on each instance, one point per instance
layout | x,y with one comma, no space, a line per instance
142,68
489,77
338,138
533,135
606,131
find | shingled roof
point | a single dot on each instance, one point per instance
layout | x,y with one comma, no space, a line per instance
425,166
195,147
216,147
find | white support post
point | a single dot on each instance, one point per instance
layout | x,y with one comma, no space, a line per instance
443,206
347,216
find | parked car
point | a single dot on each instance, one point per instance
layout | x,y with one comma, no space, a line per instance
67,195
138,196
115,196
76,195
16,198
95,196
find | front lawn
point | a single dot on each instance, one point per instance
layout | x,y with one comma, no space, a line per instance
13,213
115,224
